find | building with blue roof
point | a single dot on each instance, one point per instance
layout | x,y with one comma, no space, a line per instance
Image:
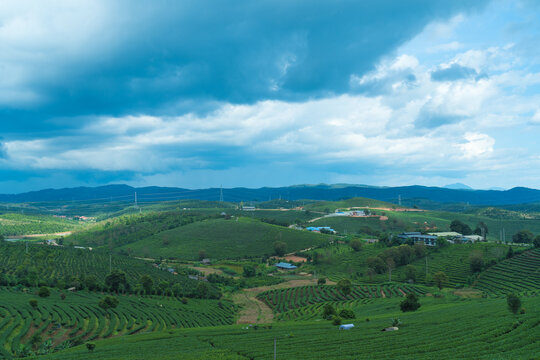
285,266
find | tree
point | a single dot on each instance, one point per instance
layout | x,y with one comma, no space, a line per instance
321,281
376,263
328,311
108,302
344,286
523,237
347,314
336,320
510,253
440,279
280,248
441,242
147,284
410,272
202,289
90,346
460,227
249,271
481,229
410,303
33,303
202,255
116,279
419,250
91,282
356,245
476,262
44,291
390,265
536,242
514,303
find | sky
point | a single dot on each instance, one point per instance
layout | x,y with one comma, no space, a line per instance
206,93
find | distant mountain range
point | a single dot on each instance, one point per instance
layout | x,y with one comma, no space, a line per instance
125,193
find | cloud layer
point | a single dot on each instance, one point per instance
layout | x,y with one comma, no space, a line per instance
195,93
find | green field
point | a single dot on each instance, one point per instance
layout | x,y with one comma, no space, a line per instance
223,239
341,262
440,329
78,318
66,267
286,299
18,224
331,206
520,274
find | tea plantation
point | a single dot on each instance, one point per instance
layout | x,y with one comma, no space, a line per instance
440,329
59,323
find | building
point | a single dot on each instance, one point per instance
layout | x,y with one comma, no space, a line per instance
472,238
417,237
346,327
321,229
285,266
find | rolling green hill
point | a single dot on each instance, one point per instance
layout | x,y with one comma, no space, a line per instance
331,206
440,329
61,323
12,224
520,274
66,267
223,239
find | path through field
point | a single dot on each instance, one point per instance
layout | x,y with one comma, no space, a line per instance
254,311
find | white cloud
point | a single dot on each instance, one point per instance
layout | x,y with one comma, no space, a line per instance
476,145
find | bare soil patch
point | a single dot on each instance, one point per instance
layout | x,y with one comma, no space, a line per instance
468,293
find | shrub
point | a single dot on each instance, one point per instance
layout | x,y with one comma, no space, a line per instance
410,303
395,322
90,346
33,303
44,291
347,314
321,281
344,286
108,302
336,320
356,245
328,311
514,303
63,296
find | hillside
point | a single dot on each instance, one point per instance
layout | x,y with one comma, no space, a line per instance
61,323
66,267
485,329
12,224
520,274
126,194
223,239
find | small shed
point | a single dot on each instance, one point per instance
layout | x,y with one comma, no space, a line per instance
346,327
286,266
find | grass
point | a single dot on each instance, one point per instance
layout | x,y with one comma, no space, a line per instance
223,239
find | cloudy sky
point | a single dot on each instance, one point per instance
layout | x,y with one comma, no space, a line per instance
268,93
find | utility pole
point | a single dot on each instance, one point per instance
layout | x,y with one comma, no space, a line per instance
426,267
136,200
399,200
221,193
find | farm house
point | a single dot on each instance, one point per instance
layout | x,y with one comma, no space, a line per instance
285,266
346,327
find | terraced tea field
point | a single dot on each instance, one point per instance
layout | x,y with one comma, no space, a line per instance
78,318
520,274
46,265
281,300
440,329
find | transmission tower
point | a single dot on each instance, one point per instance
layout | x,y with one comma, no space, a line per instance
221,193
